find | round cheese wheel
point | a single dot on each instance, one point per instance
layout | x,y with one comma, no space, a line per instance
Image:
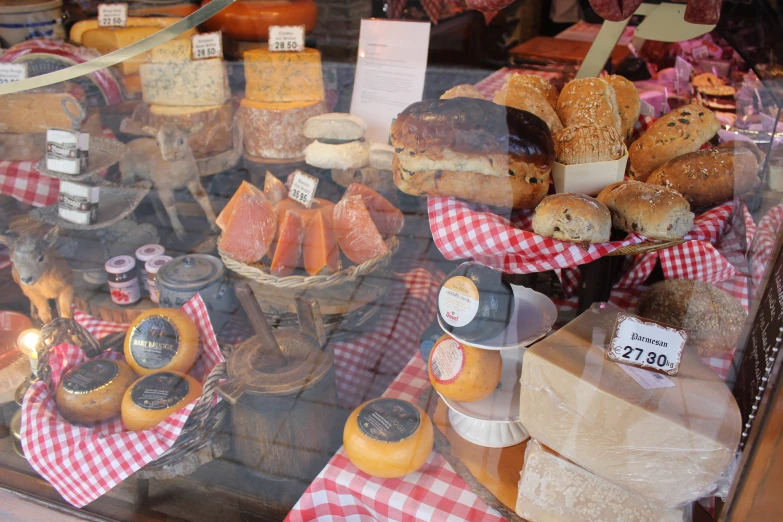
462,372
154,397
161,339
250,20
92,391
388,438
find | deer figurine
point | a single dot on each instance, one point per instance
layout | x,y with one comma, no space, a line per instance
41,273
169,163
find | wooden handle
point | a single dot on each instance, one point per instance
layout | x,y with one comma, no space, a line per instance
311,323
231,390
270,352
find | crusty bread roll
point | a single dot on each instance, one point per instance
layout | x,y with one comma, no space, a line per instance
706,177
464,90
589,99
528,99
588,142
542,85
628,103
573,217
713,318
519,191
652,211
679,132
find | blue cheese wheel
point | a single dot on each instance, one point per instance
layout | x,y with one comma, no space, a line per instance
154,397
92,391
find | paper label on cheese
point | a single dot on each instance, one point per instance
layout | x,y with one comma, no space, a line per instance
647,344
207,45
303,188
90,376
112,15
12,72
646,379
458,301
160,391
154,342
286,37
447,361
389,420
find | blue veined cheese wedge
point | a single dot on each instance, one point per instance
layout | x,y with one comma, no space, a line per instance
194,83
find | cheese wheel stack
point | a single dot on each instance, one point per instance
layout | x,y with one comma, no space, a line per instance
283,91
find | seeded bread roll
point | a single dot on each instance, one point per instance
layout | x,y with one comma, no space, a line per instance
542,85
528,99
589,99
679,132
706,177
628,103
464,90
573,217
713,318
652,211
588,142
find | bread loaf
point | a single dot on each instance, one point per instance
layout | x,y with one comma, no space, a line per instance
540,84
713,318
464,90
589,99
573,217
628,103
588,142
528,99
652,211
709,176
679,132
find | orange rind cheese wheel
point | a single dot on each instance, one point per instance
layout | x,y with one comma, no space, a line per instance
154,397
462,372
92,391
162,339
250,20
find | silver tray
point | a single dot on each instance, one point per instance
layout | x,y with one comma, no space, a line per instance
104,152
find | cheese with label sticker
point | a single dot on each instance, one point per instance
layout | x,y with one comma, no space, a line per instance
202,82
552,489
669,444
154,397
177,50
216,122
92,391
275,130
388,438
161,339
462,372
283,77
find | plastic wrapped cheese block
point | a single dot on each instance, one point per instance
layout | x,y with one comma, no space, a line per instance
668,439
387,218
288,248
356,232
250,229
552,489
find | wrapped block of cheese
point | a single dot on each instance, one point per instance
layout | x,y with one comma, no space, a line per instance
275,130
198,83
668,439
552,489
283,77
215,134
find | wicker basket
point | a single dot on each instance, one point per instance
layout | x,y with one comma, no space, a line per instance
646,247
202,428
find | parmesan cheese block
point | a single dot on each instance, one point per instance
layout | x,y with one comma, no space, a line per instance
462,372
668,444
199,83
176,50
283,77
388,438
92,391
215,134
275,130
161,339
154,397
552,489
35,111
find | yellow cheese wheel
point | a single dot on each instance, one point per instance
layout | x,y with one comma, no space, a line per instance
92,391
388,438
159,22
161,339
462,372
154,397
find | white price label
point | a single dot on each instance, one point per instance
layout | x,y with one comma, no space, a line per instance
207,45
112,15
647,344
646,109
12,72
286,38
303,188
700,52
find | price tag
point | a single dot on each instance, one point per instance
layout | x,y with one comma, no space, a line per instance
12,72
207,45
647,344
700,52
303,188
286,38
683,70
112,15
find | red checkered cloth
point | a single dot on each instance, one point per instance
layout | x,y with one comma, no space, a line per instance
434,492
493,83
81,462
763,248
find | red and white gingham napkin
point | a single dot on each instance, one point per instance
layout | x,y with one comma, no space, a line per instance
764,243
434,492
84,462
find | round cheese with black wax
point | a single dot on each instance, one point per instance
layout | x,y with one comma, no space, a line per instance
154,397
162,339
92,391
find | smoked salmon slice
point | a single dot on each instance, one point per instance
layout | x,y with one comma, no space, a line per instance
250,229
288,252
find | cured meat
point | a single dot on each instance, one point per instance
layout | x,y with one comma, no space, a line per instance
320,252
250,229
288,252
388,219
274,189
244,188
356,232
705,12
615,10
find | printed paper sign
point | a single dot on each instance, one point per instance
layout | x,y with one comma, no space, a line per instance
303,188
286,38
647,344
207,45
12,72
112,15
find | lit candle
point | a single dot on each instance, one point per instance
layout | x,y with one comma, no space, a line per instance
26,342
